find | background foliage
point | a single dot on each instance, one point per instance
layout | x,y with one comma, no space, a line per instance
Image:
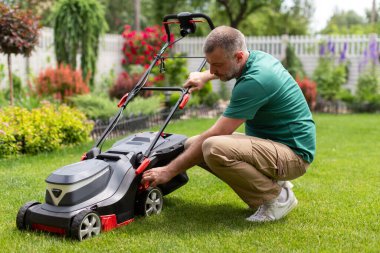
61,82
40,130
18,35
78,25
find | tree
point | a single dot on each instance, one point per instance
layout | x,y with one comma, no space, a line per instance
18,35
39,8
78,25
237,11
275,17
118,13
345,22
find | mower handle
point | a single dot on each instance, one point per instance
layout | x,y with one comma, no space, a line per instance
186,22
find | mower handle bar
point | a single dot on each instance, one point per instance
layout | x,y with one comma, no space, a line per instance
186,22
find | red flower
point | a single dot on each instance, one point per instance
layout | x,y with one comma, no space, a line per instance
140,47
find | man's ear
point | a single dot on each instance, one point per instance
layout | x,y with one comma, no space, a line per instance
239,56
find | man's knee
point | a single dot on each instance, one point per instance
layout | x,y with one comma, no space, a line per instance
190,141
213,149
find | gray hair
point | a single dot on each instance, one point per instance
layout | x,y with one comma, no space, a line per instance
227,38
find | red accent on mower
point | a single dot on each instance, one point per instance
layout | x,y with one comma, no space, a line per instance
184,101
122,100
143,166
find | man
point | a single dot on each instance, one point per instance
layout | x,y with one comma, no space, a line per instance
279,143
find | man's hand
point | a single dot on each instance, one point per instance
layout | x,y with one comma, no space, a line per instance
197,80
157,176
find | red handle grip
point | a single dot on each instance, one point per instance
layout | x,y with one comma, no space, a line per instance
142,166
184,101
122,100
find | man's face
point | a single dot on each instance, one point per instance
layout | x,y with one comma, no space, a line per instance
223,65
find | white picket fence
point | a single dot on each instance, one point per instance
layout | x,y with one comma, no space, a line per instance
110,56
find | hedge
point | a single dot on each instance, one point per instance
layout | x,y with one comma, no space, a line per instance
42,129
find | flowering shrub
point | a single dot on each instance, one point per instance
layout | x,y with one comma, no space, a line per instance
141,47
124,83
61,82
329,74
309,90
42,129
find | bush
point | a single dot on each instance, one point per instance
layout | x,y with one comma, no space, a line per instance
124,83
102,108
211,99
96,107
368,87
42,129
143,106
367,97
61,82
329,77
293,64
224,92
309,90
73,125
8,144
175,72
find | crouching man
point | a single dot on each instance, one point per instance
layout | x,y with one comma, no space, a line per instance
279,140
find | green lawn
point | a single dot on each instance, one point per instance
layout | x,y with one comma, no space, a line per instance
338,211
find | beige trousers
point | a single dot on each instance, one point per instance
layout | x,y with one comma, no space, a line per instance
250,166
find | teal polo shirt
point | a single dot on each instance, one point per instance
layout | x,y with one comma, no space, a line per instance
271,102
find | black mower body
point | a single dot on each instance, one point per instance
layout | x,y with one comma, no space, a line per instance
106,184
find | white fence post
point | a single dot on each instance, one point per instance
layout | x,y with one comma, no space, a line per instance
284,45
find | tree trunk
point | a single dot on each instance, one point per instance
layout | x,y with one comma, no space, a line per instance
137,11
27,68
10,79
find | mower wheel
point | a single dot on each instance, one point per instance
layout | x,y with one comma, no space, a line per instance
150,202
86,224
21,221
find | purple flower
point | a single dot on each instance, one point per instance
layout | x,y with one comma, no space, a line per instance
363,63
373,54
331,47
343,52
322,50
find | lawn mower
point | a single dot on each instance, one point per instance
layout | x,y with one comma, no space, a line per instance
104,190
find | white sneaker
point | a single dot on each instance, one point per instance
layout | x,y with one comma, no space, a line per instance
285,184
274,210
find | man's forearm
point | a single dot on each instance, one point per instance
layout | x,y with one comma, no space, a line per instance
192,156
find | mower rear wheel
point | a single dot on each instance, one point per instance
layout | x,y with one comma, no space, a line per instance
86,224
150,202
21,221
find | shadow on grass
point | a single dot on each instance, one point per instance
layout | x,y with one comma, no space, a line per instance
182,216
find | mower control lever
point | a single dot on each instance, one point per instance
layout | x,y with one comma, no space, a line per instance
186,22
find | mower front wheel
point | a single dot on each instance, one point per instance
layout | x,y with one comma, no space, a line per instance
21,219
86,224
